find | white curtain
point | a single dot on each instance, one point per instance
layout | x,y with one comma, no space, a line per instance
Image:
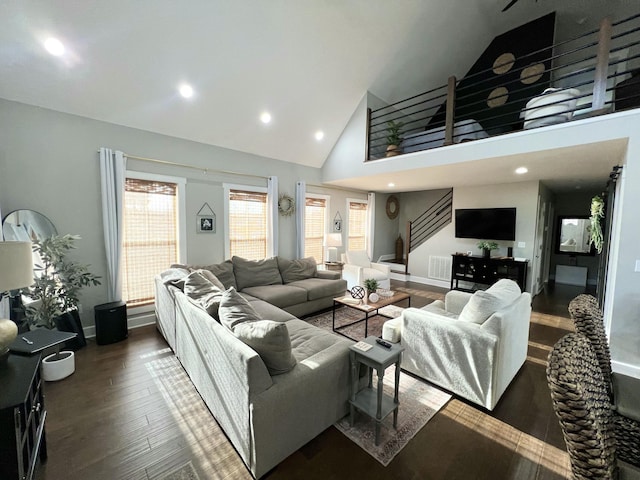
272,216
371,223
112,175
301,200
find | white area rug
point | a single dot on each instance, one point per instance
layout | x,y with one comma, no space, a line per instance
419,402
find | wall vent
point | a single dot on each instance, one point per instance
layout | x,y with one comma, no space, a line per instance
440,267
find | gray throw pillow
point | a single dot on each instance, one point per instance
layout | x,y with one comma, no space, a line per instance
271,341
174,275
234,309
254,273
222,271
212,278
294,270
203,292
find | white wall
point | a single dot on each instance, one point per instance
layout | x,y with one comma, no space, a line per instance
523,196
49,163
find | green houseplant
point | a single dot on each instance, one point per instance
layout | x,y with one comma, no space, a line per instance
371,285
57,282
394,137
486,247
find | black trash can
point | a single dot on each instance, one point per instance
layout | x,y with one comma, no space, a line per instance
111,322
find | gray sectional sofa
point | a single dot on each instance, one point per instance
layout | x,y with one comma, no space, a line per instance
267,417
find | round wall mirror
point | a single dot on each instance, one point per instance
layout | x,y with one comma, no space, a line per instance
27,226
393,206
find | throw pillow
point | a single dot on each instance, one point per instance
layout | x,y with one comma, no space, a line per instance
294,270
174,274
271,341
222,271
358,258
203,292
234,309
254,273
507,290
212,278
480,306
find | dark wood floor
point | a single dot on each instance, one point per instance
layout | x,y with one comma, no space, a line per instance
113,419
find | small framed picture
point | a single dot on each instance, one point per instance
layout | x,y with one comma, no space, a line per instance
337,223
206,224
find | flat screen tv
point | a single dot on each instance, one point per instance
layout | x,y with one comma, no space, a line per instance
486,223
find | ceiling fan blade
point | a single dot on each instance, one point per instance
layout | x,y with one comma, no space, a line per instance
511,4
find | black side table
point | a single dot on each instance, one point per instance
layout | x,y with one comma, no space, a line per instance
22,417
370,401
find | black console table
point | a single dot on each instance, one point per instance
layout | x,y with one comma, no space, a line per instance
487,271
22,417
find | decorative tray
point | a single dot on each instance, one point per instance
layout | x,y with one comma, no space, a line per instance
384,293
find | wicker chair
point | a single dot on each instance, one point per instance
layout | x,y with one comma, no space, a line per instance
588,320
581,402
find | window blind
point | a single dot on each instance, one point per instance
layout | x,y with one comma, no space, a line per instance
357,226
150,236
248,224
315,228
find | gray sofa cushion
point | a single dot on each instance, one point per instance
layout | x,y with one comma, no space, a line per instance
250,273
223,271
279,295
292,270
308,340
271,341
266,310
319,288
234,309
203,292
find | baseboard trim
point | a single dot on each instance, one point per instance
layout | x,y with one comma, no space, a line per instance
134,321
625,369
423,280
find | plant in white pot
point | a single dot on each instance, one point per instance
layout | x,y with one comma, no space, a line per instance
371,285
54,296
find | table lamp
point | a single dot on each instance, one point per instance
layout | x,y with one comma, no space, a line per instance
332,241
16,271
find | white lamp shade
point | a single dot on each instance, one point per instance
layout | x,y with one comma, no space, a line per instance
333,240
16,265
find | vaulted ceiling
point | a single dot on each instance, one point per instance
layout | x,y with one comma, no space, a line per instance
307,63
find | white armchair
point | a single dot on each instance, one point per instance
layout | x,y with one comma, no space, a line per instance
358,268
471,345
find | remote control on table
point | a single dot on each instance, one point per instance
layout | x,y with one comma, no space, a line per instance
382,343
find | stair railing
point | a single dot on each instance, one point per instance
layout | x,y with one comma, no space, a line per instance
428,223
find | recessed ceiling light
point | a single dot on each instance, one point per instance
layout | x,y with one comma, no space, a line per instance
319,135
265,117
54,46
391,184
521,170
186,90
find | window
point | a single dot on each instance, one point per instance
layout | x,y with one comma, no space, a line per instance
357,225
150,236
315,226
247,224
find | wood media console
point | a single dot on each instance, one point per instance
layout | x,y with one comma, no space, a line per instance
486,271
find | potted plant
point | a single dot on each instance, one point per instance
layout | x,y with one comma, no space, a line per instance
371,285
54,296
394,137
486,247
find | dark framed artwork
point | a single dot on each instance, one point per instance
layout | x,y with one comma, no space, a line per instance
206,220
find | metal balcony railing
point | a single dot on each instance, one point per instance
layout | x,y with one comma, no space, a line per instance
584,76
